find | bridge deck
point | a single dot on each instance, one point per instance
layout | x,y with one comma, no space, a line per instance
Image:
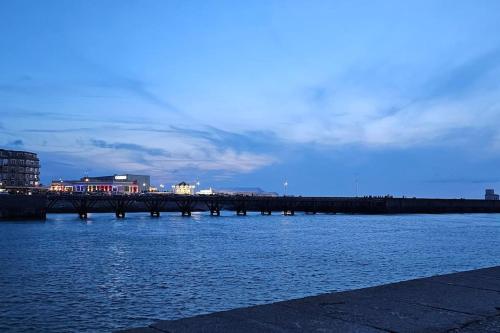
461,303
37,206
288,205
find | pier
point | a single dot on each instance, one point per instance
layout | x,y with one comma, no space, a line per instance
466,302
37,206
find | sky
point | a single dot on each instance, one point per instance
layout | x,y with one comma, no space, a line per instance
335,97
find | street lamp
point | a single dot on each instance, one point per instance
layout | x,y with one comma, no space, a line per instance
285,186
356,181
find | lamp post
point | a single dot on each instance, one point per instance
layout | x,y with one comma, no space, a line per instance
285,186
356,181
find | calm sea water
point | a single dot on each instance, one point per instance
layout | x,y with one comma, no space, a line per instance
66,275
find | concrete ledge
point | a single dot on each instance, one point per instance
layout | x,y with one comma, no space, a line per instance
460,303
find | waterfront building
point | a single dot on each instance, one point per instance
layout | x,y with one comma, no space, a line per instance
85,185
19,169
119,184
208,191
143,181
183,188
490,195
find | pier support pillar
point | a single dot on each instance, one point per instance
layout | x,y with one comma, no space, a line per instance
82,215
186,213
120,214
289,212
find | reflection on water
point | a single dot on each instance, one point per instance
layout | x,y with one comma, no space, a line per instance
102,274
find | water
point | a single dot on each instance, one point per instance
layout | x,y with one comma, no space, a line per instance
67,275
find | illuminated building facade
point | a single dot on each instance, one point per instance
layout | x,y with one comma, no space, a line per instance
19,169
119,184
183,188
142,181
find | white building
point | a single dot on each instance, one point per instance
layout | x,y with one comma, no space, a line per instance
183,188
209,191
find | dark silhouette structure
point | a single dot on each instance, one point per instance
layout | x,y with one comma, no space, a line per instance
154,204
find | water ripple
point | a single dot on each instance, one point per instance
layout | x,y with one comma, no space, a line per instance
68,276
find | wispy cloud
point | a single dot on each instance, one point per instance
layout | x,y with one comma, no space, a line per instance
461,97
16,143
136,88
130,147
104,96
465,77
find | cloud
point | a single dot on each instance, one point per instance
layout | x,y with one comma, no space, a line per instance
99,81
109,79
251,140
464,77
376,113
135,87
189,153
58,130
105,87
330,114
16,143
66,119
130,147
225,160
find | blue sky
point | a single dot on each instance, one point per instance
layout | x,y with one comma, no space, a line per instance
402,96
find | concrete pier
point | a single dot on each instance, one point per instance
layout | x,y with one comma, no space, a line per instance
23,206
463,302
